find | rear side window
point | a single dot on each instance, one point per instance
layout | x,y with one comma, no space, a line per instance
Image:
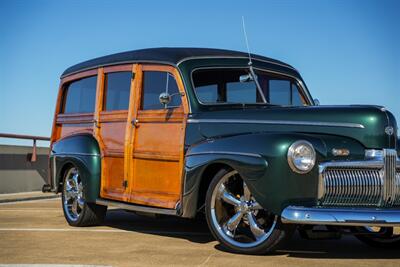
117,89
80,96
155,83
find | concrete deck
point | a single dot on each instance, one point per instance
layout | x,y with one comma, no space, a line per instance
35,232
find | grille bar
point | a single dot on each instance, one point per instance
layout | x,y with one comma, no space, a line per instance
370,183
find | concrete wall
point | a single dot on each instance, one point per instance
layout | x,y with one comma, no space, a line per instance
17,173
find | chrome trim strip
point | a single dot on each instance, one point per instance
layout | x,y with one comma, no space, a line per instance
224,153
280,122
133,207
342,216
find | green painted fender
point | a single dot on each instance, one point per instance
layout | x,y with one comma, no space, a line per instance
261,160
82,151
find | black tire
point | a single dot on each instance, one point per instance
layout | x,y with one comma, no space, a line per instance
280,232
386,239
87,214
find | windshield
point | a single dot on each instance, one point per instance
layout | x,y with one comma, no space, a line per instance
237,86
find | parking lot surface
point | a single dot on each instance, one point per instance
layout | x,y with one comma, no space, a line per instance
35,232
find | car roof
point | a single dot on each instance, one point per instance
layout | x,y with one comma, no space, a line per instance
165,55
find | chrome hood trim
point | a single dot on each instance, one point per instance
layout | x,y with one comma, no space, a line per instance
280,122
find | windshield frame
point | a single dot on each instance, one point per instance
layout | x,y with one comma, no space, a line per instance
300,84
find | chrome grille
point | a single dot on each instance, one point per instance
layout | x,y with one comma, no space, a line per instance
364,183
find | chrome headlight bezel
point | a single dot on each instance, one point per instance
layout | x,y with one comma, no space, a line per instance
292,156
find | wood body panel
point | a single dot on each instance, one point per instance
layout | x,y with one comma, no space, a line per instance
110,132
157,145
141,162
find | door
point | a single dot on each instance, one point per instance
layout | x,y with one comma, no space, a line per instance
157,141
114,94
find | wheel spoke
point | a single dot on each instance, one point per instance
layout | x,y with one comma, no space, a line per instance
254,227
246,192
256,206
75,180
81,202
69,194
233,222
74,207
227,196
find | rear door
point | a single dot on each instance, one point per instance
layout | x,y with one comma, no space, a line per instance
113,104
157,141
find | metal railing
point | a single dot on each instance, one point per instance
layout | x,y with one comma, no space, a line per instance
27,137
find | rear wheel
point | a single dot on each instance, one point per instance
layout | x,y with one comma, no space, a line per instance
77,211
238,221
381,237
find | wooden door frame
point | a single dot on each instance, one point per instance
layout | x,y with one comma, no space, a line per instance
134,110
116,115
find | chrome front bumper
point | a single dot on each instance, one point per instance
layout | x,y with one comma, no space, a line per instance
341,216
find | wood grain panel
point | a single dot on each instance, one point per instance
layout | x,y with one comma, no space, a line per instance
157,144
156,183
113,171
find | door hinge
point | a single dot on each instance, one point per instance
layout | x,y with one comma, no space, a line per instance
125,183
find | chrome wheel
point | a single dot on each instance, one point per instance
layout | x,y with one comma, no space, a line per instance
237,216
73,201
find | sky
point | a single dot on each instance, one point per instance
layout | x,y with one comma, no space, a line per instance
348,52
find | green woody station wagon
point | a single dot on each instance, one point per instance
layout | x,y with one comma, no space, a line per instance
185,131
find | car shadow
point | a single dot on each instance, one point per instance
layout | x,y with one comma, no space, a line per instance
197,231
193,230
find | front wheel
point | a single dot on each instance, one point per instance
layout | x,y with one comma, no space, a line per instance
379,237
238,221
77,211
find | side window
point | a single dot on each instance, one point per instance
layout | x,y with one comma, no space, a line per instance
116,90
155,83
80,96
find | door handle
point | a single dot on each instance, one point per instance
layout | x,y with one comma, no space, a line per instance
135,122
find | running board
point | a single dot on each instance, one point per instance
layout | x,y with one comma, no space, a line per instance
134,207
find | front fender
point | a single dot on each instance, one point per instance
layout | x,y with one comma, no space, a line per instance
82,151
261,160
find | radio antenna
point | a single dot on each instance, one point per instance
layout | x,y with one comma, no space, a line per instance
252,73
247,41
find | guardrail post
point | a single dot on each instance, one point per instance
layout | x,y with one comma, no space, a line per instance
33,158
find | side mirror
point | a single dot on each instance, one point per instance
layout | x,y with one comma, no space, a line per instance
316,102
245,78
165,98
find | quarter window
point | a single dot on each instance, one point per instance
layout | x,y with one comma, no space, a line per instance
80,96
117,88
155,83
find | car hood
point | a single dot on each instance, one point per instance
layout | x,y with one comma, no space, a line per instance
366,124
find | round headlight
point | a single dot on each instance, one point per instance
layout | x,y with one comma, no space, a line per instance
301,156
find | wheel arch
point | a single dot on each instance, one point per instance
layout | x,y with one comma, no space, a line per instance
82,151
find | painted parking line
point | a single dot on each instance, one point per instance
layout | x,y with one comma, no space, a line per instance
101,231
30,210
51,265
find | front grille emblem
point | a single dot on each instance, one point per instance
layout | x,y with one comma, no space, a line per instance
389,130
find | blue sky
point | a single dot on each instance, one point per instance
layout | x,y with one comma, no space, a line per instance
347,51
